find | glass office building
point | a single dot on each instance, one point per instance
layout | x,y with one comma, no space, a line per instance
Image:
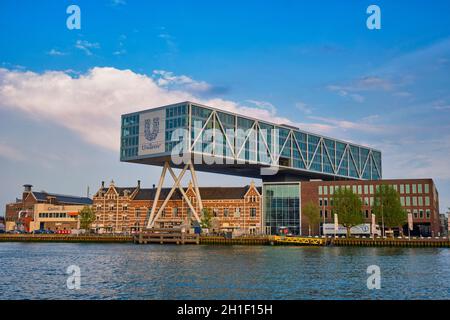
281,207
244,144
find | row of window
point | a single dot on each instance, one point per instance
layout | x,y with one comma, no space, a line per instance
53,215
369,201
175,212
371,189
417,213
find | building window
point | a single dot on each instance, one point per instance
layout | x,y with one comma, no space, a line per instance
408,201
125,207
366,189
420,201
402,188
367,214
415,213
175,212
359,189
325,201
320,190
321,213
414,201
402,201
252,212
421,214
408,191
137,212
371,189
414,188
419,188
428,213
427,201
226,212
427,188
237,213
354,189
215,212
326,214
366,201
320,202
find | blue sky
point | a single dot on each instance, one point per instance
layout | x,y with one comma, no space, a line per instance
312,64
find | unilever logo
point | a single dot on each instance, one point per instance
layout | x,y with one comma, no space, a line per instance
149,132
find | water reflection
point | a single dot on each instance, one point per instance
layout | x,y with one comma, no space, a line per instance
121,271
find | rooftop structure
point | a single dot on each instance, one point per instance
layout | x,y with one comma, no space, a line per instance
223,142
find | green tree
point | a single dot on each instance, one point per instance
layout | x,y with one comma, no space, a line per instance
312,211
348,207
86,216
205,221
388,208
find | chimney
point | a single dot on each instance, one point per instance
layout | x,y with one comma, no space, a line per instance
27,189
139,184
103,184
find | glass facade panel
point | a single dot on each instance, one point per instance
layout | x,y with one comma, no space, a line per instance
282,208
303,151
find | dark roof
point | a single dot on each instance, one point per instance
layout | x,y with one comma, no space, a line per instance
60,198
207,193
120,190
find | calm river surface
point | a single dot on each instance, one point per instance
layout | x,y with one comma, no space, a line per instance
128,271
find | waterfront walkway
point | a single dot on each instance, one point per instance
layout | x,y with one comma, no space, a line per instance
179,238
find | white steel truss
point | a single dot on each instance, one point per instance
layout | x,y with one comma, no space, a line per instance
154,215
340,164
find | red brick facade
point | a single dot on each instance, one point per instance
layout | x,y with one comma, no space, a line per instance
120,209
418,196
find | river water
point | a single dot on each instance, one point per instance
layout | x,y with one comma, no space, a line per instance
128,271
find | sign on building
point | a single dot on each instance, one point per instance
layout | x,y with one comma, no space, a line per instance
410,221
152,126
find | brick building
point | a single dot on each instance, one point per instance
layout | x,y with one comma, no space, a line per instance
418,197
126,209
35,207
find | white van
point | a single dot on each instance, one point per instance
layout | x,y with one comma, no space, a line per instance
359,230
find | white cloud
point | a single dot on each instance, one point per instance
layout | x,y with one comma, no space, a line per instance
303,107
168,80
11,153
55,52
87,46
91,103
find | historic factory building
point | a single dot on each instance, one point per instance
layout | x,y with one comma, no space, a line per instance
44,210
127,209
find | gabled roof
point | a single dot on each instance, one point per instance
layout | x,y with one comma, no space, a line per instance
119,190
207,193
60,198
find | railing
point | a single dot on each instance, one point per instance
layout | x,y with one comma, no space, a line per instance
64,238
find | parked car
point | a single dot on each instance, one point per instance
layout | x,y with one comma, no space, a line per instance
2,231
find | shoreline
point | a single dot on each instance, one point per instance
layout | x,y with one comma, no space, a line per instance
246,241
